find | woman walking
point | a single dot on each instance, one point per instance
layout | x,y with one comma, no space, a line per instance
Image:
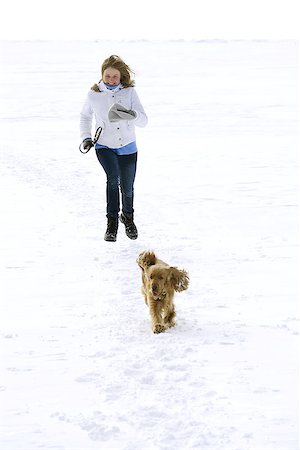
116,108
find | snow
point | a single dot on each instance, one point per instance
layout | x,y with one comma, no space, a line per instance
216,194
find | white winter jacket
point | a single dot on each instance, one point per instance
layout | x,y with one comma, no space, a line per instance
96,106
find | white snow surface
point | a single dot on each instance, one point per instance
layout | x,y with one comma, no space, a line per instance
216,193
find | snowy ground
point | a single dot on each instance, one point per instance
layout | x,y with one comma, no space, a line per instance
216,194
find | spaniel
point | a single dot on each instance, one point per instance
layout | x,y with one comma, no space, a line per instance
159,283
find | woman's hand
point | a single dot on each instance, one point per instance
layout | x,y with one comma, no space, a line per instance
86,145
117,112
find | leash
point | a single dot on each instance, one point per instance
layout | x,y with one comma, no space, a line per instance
96,137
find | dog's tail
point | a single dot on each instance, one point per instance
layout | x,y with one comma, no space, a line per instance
146,259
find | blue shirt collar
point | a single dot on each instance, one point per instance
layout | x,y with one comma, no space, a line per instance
111,88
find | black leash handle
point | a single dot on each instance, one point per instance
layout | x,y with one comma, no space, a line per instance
96,137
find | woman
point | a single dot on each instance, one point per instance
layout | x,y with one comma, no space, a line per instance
115,105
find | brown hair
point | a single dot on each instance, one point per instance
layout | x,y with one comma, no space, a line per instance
116,62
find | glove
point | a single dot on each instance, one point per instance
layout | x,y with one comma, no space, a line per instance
117,112
87,144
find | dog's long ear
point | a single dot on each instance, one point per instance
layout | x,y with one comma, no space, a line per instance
146,259
179,279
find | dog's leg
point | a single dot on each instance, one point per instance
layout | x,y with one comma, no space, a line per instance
144,284
169,318
156,318
144,295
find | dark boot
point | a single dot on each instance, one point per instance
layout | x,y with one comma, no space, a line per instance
130,227
112,229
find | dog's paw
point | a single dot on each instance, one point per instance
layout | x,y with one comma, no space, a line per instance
158,328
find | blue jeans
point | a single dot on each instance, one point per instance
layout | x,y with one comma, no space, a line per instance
120,173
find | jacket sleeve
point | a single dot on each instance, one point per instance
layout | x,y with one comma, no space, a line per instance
86,118
141,119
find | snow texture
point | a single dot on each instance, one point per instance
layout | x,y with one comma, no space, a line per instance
216,193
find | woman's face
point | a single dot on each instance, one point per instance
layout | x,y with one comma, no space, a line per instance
111,76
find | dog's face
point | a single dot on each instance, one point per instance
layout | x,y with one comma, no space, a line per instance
163,280
158,278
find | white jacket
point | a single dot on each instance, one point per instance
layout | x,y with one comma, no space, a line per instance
97,104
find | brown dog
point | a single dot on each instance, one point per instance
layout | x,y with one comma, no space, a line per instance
159,283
